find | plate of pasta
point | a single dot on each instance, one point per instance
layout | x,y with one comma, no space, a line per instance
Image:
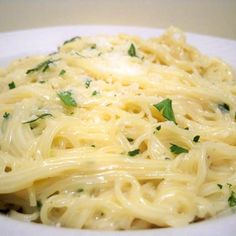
117,130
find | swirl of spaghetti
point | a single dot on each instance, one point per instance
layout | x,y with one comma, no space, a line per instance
118,133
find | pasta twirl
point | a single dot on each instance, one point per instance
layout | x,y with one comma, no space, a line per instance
118,132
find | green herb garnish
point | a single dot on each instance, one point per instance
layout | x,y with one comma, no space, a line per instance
186,128
41,67
78,54
71,40
224,108
52,53
42,81
177,149
165,107
80,190
130,139
220,186
6,115
37,118
62,72
67,99
158,127
11,85
94,93
93,145
39,204
196,138
134,152
232,199
132,50
93,46
87,83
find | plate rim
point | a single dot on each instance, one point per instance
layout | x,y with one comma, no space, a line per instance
112,26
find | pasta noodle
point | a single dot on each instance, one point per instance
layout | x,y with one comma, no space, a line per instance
118,132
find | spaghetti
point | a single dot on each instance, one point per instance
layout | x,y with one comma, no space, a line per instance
118,132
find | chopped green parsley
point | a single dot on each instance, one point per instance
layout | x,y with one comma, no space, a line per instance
6,115
232,196
177,149
224,108
94,93
132,50
220,186
87,83
196,138
93,46
134,152
42,81
232,199
62,72
39,204
71,40
37,118
11,85
41,67
67,98
165,107
130,139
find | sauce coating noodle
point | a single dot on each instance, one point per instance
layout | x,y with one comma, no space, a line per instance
118,132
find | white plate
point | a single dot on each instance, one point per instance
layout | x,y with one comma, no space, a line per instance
41,41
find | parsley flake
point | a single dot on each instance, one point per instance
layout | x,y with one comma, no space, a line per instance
6,115
71,40
39,204
67,99
93,46
165,107
11,85
134,152
79,54
232,199
94,93
158,127
224,108
80,190
87,83
196,138
220,186
41,67
38,117
130,139
132,50
62,72
177,149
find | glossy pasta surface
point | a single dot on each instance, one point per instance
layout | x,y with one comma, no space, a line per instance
118,133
